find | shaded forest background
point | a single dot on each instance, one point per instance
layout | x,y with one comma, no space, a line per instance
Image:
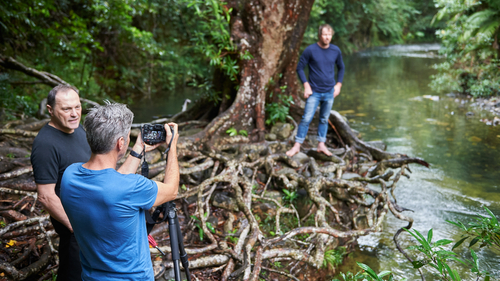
129,50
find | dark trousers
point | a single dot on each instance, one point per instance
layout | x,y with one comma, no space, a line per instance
69,254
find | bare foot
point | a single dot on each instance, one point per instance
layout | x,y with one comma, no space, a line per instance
322,148
294,150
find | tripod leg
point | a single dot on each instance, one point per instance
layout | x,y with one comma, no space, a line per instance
183,254
174,242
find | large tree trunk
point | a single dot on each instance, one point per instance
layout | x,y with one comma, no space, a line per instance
272,32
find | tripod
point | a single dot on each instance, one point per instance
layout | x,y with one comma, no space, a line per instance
178,252
169,212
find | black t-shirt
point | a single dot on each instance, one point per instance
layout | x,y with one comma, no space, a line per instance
53,151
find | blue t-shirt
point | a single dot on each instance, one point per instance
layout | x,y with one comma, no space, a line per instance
321,64
107,212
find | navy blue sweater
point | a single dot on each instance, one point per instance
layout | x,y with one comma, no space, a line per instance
321,64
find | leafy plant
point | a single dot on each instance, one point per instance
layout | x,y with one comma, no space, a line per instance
334,257
277,264
367,274
469,42
438,257
232,239
290,195
278,111
200,229
485,230
233,132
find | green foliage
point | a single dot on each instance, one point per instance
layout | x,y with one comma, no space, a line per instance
470,44
201,232
368,23
232,239
485,230
290,195
212,39
233,132
435,255
115,49
277,264
438,257
333,258
278,111
367,274
14,102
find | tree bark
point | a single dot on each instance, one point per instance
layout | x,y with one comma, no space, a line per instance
271,31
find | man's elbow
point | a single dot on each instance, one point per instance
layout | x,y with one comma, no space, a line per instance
175,192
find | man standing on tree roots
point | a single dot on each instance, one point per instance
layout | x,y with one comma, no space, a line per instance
59,144
321,89
107,207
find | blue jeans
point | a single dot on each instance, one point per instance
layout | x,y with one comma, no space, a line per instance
325,100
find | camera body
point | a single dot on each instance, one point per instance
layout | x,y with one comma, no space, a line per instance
153,133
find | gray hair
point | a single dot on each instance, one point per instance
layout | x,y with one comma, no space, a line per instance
51,98
106,124
327,26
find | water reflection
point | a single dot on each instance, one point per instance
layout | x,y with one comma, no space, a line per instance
162,103
385,97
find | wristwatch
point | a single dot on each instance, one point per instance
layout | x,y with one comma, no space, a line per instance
135,154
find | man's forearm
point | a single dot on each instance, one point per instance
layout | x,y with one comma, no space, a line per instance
172,168
54,207
131,164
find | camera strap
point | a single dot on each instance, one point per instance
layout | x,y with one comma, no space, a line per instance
145,165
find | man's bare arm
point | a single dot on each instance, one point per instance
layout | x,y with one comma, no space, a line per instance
52,204
167,190
131,164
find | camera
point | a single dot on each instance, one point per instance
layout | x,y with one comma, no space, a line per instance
153,133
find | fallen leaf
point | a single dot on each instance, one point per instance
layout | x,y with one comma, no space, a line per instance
11,243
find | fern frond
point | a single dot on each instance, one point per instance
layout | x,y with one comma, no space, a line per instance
490,28
479,18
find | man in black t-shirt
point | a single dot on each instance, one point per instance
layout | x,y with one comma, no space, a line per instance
59,144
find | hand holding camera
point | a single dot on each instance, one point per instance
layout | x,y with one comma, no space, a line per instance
152,135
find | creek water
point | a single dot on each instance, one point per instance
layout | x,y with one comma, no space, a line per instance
385,96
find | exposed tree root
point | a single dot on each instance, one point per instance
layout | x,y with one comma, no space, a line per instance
257,224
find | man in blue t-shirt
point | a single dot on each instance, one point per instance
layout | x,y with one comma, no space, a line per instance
321,57
107,207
